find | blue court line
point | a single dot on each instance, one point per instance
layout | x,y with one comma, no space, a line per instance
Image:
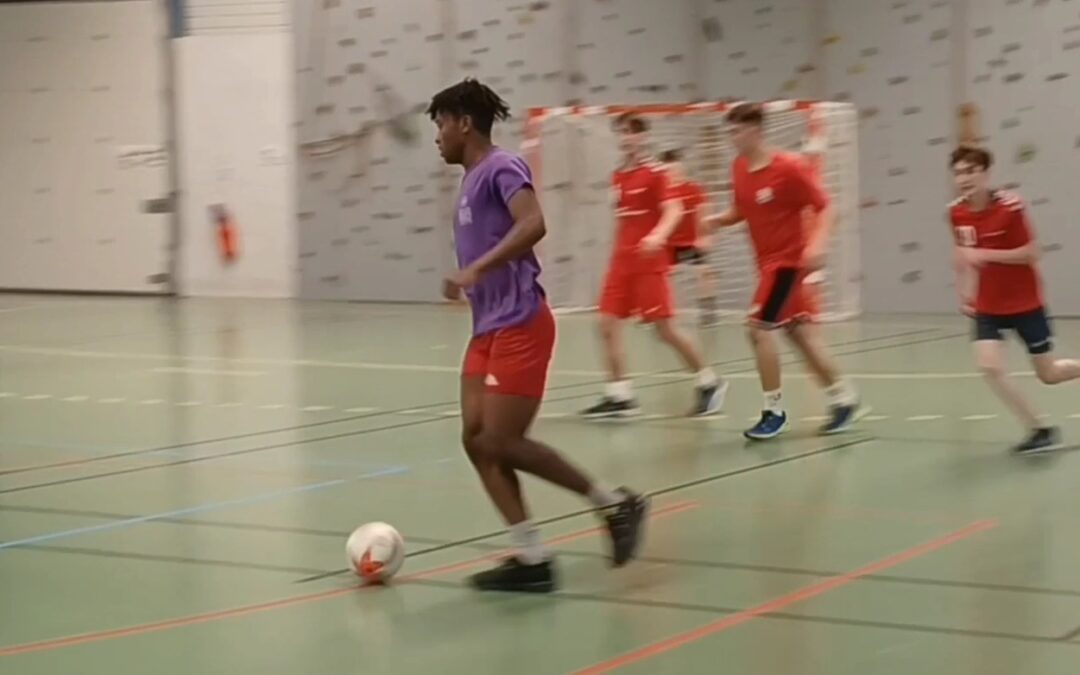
202,508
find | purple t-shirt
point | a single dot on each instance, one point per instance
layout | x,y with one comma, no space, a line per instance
509,295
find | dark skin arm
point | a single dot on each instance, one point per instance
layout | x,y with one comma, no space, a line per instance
527,231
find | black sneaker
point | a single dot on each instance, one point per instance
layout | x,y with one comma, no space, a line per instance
514,576
1046,439
625,522
709,400
609,408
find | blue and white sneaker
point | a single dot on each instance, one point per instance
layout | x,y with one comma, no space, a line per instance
769,426
841,418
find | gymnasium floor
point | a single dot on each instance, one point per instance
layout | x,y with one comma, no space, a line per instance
177,481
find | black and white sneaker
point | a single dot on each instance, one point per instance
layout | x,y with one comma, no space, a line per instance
609,408
1047,439
625,523
709,400
514,576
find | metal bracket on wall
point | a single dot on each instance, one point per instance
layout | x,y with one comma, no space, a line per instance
158,205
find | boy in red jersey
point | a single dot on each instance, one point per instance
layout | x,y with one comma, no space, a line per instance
771,192
497,223
637,277
998,283
689,243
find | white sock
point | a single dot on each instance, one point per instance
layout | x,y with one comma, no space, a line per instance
774,402
840,393
526,539
620,390
706,378
602,497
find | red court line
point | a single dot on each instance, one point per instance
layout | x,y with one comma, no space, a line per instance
236,612
783,602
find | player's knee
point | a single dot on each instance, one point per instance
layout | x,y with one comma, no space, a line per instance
607,326
474,443
1047,372
991,369
489,447
664,330
756,335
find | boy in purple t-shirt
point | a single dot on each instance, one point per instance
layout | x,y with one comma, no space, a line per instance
498,221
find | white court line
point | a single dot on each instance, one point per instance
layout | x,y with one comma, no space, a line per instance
361,410
37,397
925,418
978,418
432,368
205,371
76,399
22,308
111,400
316,408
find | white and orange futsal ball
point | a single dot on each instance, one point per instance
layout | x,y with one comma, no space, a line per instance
376,552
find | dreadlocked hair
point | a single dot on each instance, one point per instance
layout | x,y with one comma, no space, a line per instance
470,97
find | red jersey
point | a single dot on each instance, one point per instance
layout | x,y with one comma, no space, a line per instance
1003,289
692,197
640,191
772,201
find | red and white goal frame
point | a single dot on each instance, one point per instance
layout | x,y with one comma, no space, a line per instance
573,151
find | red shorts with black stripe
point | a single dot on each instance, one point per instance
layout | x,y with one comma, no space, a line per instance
783,297
515,360
628,293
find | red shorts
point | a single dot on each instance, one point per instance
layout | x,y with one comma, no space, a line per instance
783,297
627,293
514,360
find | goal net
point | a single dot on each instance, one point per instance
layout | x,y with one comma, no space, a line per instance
573,152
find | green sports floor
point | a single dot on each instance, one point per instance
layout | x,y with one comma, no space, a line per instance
177,480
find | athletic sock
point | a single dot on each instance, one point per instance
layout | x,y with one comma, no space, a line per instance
774,402
603,497
840,393
620,390
706,378
526,539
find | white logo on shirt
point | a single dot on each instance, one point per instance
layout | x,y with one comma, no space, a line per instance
764,195
464,213
491,380
965,235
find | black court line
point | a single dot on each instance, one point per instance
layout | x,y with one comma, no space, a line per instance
361,432
206,562
1070,636
384,413
825,574
1004,446
481,546
653,493
718,610
228,525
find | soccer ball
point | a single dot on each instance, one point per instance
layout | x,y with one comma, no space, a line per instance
376,552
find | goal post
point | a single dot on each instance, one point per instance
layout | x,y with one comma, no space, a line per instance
573,152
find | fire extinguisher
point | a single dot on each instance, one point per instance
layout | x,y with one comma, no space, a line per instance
227,235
